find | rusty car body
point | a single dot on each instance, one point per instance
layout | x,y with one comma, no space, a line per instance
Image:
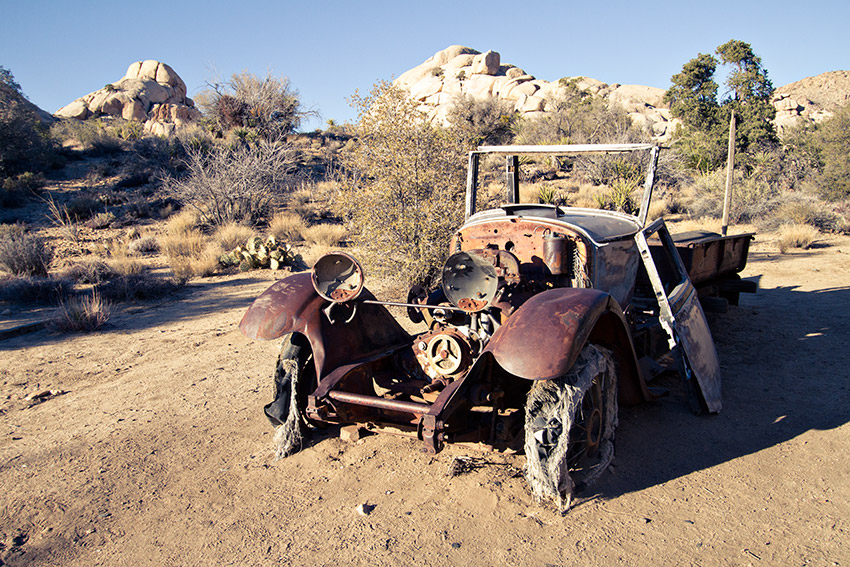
547,318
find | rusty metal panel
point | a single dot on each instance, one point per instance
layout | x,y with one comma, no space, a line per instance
700,355
292,305
557,323
682,317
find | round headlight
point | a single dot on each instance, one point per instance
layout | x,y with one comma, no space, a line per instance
338,277
469,281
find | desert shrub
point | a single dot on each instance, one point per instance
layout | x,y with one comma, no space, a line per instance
575,116
752,197
546,195
87,313
35,290
101,220
403,189
15,191
144,245
82,207
803,208
141,286
482,121
269,105
143,208
230,235
796,236
88,272
23,253
94,136
287,226
237,184
325,234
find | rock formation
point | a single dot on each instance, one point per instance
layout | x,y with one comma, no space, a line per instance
811,99
459,70
150,92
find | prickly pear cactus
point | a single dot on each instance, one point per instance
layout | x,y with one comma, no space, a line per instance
258,253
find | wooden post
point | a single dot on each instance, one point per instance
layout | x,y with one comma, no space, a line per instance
730,165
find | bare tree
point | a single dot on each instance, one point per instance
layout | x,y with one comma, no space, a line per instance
236,183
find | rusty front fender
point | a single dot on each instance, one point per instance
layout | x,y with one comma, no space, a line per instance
542,340
292,306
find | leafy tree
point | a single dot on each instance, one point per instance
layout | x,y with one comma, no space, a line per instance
24,140
749,95
693,98
693,95
7,79
403,187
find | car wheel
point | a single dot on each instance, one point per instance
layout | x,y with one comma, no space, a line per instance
569,427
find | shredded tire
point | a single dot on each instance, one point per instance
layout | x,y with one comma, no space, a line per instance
285,412
550,415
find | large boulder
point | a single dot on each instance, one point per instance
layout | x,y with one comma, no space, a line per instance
141,94
461,71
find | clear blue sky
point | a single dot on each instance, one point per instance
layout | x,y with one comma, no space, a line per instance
59,51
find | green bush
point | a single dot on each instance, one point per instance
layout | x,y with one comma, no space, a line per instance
16,191
832,140
24,141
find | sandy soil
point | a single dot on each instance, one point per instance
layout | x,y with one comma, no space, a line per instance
158,453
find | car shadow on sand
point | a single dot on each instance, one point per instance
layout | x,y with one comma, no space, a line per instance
784,367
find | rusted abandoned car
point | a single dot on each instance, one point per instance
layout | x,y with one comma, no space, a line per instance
548,318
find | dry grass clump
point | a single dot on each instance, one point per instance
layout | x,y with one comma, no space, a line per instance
143,245
184,222
230,235
89,271
86,313
796,236
126,266
588,197
707,224
325,234
22,253
101,220
287,227
186,247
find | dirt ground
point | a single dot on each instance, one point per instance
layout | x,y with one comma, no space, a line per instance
154,450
